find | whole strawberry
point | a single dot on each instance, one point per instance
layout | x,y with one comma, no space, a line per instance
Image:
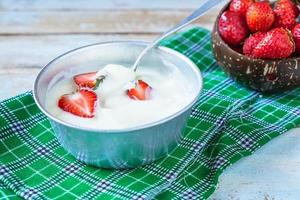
277,43
285,15
296,36
295,7
251,42
240,6
260,17
233,28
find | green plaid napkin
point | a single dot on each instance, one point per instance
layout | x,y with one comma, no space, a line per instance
227,123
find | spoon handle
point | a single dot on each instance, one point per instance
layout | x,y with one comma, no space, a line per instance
207,5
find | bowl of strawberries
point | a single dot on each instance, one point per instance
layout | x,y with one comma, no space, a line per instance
258,43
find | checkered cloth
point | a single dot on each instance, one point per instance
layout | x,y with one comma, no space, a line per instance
227,123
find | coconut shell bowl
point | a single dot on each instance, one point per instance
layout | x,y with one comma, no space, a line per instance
267,76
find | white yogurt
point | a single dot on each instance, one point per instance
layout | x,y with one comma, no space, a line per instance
115,110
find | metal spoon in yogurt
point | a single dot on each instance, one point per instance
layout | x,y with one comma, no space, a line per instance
207,5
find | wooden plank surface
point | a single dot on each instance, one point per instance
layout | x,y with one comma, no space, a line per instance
16,81
271,173
36,51
108,22
96,4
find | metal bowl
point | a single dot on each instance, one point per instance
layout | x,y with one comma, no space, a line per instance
119,148
269,76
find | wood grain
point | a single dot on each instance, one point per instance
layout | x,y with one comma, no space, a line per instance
37,51
96,4
271,173
105,22
18,81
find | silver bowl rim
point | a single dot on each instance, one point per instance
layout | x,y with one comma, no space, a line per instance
130,129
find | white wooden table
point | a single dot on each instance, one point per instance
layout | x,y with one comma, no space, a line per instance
35,31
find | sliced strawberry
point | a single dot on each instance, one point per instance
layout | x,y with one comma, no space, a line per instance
81,103
140,92
86,80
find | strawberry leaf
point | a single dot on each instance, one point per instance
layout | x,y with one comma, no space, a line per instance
99,80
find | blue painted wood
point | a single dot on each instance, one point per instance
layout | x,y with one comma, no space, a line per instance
96,4
272,173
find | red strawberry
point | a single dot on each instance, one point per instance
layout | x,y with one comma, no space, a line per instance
86,79
296,10
260,17
295,7
296,36
251,42
233,28
140,92
240,6
278,43
81,103
285,15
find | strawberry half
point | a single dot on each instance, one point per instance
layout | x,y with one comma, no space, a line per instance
88,80
81,103
141,91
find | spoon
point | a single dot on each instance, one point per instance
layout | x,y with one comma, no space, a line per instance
207,5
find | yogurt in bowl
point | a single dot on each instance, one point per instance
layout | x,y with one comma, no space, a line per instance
128,126
115,108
